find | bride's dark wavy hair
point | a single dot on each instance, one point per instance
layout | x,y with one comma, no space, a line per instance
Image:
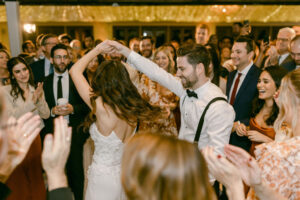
111,82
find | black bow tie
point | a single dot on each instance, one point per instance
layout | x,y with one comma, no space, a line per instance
191,94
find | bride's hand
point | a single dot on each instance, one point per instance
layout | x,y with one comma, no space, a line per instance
104,48
119,48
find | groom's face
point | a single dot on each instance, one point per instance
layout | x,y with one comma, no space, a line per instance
186,72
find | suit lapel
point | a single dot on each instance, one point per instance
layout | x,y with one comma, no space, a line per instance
51,92
287,59
71,86
245,83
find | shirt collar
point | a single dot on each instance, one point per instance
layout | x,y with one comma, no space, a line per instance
284,55
246,69
47,61
200,89
64,75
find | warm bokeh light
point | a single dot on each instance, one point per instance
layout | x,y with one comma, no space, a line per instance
29,28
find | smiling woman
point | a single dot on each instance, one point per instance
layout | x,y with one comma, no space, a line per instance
264,110
157,95
21,97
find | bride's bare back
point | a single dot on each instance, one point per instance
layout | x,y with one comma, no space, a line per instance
108,122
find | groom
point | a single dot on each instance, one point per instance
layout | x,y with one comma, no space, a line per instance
195,91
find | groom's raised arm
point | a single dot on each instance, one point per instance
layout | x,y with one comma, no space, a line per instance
150,69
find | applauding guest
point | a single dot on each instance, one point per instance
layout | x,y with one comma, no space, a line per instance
21,97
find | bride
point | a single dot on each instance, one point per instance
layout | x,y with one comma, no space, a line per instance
116,107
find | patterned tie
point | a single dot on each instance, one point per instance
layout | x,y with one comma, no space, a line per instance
236,83
59,88
191,94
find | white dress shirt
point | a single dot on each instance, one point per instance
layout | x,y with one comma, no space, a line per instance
219,118
47,66
65,87
244,73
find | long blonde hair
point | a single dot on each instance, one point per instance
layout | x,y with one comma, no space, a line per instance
171,66
159,167
289,100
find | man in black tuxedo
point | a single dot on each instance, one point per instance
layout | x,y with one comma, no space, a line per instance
63,100
43,67
241,88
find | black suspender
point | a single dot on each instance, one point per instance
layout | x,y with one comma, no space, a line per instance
201,121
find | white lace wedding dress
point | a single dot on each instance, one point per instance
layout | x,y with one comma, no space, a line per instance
104,180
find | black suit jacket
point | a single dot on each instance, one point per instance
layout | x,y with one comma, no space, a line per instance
38,70
74,166
80,108
288,63
243,102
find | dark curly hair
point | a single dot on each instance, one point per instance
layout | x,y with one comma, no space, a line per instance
277,73
15,88
111,82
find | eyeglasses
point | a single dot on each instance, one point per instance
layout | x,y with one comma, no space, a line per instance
60,57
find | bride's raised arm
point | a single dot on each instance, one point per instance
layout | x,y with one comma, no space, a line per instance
78,68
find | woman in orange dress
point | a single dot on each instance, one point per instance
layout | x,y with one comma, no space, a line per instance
264,110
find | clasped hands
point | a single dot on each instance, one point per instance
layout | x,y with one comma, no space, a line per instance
110,46
63,110
253,135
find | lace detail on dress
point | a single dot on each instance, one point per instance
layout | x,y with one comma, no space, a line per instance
108,149
280,165
104,180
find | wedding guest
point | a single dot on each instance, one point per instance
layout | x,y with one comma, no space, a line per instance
155,166
22,133
89,42
16,137
264,109
147,46
215,69
4,74
76,45
201,34
275,174
134,44
65,39
157,95
54,157
21,97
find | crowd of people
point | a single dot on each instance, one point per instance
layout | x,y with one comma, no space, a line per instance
207,119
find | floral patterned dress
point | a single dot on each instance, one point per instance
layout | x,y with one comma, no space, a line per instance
157,95
280,164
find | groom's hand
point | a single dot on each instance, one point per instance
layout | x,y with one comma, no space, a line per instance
119,48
